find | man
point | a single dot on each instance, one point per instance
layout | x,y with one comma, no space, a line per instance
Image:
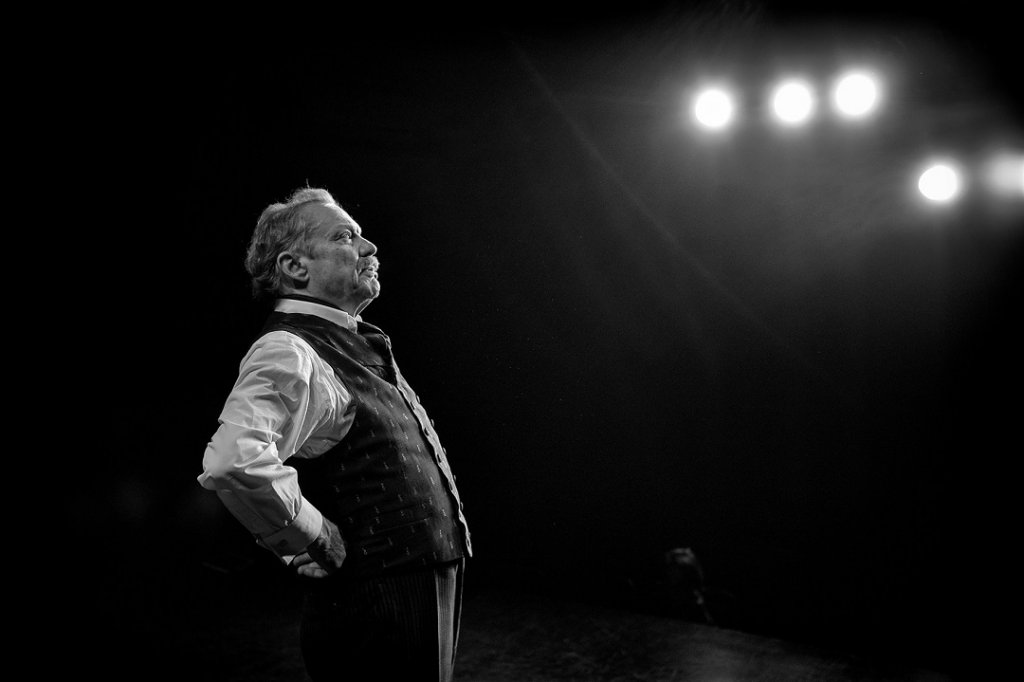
326,455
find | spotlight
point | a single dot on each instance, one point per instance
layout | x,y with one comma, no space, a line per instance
939,183
793,102
713,108
855,94
1004,174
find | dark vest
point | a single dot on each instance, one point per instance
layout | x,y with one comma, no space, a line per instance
387,484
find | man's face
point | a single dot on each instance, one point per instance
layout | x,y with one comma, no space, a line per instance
341,263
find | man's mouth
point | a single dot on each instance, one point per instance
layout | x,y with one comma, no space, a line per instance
369,270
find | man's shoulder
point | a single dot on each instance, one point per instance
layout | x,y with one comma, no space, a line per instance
280,337
281,347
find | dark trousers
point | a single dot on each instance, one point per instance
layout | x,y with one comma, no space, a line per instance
398,627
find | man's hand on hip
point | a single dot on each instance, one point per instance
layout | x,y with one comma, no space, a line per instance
323,556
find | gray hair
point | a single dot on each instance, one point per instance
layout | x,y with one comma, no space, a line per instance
281,227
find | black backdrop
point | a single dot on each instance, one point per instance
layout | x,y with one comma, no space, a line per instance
631,337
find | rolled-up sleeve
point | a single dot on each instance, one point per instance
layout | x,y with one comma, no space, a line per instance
278,403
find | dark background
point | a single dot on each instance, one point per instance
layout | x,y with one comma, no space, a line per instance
632,336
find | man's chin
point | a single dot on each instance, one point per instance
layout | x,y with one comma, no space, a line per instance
368,300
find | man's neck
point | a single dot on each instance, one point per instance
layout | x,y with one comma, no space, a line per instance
311,305
316,299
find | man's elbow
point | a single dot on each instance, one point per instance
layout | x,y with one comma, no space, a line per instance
218,471
236,461
232,474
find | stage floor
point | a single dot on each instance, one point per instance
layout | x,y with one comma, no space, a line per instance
207,626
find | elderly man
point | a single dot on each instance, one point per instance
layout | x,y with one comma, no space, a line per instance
326,455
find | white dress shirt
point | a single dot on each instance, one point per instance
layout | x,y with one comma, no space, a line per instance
287,402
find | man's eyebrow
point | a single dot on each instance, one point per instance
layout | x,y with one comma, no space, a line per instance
347,227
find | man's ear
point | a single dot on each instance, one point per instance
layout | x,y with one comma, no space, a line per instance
293,266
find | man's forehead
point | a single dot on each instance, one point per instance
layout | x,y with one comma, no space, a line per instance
329,215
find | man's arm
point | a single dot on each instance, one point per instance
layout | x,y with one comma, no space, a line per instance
278,402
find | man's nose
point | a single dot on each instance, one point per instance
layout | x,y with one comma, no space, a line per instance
366,247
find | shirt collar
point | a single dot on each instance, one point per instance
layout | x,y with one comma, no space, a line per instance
327,312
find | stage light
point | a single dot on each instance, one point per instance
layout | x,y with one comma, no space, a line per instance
940,183
713,108
1004,174
855,94
793,102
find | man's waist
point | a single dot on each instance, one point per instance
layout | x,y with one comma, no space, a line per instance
354,574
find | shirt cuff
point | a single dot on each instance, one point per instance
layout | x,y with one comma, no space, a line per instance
296,536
